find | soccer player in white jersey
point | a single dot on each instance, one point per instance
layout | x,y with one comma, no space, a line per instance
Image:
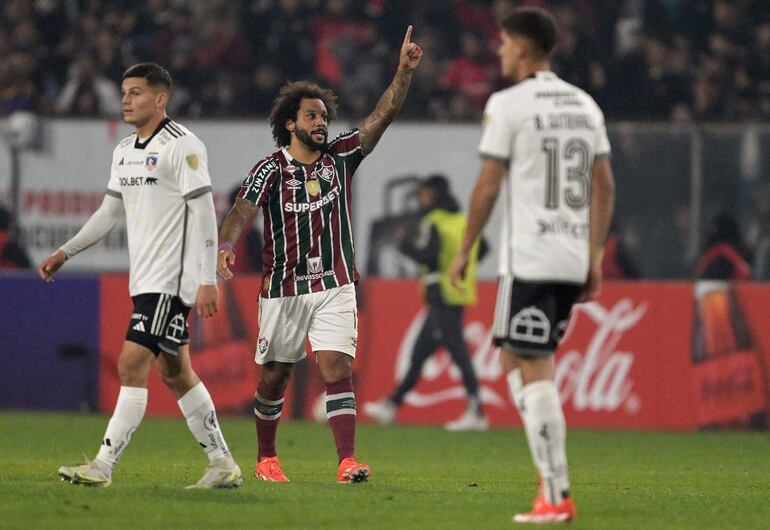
544,142
309,269
159,177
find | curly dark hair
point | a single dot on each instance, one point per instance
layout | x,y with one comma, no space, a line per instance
286,106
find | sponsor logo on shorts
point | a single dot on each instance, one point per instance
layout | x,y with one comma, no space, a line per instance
176,328
531,325
262,344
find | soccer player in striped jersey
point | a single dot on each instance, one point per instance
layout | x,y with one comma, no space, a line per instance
309,270
160,179
546,152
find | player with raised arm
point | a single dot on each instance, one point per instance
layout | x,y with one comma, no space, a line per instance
309,269
159,177
545,143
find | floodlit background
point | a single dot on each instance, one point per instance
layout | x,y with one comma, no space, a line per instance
678,341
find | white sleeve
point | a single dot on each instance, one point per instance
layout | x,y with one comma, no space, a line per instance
497,136
113,186
98,225
204,232
190,163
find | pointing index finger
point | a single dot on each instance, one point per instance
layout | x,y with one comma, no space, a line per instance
408,36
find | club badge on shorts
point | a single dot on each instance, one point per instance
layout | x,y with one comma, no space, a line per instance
262,344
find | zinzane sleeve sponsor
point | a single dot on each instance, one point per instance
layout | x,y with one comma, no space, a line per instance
347,145
190,164
255,187
497,136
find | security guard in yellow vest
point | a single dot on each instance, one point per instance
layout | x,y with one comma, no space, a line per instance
439,238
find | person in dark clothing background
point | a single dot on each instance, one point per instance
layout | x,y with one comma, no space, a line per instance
725,256
438,239
12,254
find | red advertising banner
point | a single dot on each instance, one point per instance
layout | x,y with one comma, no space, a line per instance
645,355
625,360
221,347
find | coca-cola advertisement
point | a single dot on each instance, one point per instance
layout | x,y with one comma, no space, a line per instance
644,355
624,361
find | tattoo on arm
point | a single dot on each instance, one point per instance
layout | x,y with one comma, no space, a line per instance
372,128
242,212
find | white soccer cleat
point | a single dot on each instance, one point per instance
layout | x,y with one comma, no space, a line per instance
92,473
382,411
222,473
469,421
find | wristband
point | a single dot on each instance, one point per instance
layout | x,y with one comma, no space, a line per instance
225,245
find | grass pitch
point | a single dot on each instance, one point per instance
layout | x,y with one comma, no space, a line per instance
422,478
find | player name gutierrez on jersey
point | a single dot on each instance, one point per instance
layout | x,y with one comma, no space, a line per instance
307,218
155,178
548,132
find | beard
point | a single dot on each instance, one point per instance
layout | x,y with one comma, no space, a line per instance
306,138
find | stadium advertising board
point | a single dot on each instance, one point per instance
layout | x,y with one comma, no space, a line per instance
633,359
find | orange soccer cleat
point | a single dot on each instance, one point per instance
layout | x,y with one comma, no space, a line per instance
545,513
269,468
351,471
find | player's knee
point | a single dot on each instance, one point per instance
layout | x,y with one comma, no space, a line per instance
276,380
131,376
132,371
337,368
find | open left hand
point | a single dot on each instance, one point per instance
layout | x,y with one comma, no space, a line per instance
411,53
206,301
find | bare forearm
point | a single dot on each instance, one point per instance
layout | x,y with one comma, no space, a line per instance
391,101
482,201
602,206
239,215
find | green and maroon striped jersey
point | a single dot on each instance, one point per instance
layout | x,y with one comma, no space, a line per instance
307,218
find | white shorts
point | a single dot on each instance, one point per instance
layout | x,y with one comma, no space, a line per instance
328,318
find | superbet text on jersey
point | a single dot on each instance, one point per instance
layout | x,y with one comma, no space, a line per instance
548,132
307,218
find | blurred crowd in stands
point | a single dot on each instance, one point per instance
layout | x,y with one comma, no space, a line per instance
641,59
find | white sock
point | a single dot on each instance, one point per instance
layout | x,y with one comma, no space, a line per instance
198,410
129,411
547,433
